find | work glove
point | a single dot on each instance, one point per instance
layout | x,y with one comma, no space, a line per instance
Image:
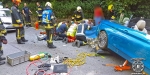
4,40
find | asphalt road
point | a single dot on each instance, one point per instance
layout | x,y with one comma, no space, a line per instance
93,65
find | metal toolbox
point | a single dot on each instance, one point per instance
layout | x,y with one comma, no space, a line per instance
18,58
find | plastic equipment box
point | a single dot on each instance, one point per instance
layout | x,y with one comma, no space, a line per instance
18,58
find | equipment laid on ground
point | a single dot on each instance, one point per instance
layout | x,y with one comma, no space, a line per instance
54,60
18,58
37,56
79,60
120,67
41,37
60,68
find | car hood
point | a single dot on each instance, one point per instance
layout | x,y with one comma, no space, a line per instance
6,19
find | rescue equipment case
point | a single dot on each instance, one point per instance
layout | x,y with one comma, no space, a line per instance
18,58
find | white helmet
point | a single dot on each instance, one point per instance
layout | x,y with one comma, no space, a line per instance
141,24
79,8
48,4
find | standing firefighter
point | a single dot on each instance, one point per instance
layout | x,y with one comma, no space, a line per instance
18,22
48,21
26,12
2,40
78,15
39,12
111,12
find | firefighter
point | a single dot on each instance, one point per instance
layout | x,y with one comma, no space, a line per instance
71,32
78,15
17,21
3,40
111,12
62,29
48,21
26,12
39,12
80,34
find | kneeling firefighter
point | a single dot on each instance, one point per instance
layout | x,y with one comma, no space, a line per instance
48,22
17,21
62,29
72,32
80,34
3,40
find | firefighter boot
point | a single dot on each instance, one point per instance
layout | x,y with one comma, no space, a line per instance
50,45
1,53
23,39
20,41
2,62
74,43
64,40
79,43
1,58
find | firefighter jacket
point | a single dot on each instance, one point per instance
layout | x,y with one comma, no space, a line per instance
51,22
77,16
81,29
16,17
39,11
72,30
3,31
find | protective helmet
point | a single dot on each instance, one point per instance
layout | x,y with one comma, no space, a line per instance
79,8
48,4
141,24
110,7
16,1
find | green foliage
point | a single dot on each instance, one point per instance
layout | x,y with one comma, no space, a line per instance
65,8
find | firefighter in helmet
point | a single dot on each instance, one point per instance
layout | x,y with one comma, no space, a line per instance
3,40
111,12
78,15
17,21
48,21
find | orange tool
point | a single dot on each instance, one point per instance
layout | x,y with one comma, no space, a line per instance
120,67
42,32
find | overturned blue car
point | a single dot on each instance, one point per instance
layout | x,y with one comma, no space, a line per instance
124,41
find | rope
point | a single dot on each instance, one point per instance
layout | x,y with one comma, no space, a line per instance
79,60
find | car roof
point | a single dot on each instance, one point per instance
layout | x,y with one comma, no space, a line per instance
4,9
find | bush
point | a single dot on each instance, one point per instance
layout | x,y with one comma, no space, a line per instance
65,8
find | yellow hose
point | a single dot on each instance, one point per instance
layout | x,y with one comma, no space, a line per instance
79,60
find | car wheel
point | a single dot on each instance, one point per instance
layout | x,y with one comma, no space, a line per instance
103,40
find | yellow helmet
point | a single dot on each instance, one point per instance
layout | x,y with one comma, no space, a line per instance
110,7
16,1
113,17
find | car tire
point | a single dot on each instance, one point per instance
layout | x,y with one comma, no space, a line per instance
103,40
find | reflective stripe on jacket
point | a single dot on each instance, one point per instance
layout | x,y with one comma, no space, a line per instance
16,17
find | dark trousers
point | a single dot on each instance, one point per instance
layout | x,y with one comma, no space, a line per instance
27,20
20,33
81,38
63,35
50,33
40,20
